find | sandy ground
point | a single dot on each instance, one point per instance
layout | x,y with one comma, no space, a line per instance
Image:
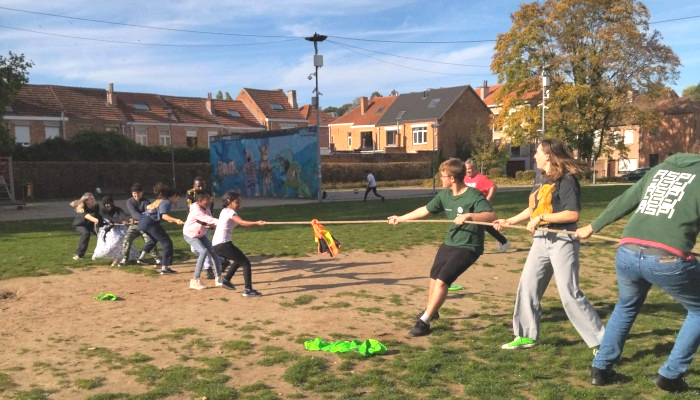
50,325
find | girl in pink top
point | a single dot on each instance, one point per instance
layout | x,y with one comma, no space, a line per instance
223,246
199,220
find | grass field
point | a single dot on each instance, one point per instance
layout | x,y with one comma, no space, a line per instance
470,364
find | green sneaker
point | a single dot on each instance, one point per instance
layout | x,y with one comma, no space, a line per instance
519,343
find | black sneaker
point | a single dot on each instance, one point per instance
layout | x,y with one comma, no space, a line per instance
167,271
434,317
670,385
251,293
210,274
419,329
601,377
141,261
226,284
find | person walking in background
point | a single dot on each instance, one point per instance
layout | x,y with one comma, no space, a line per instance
464,242
199,185
87,221
155,212
655,249
224,247
488,188
199,220
136,206
371,185
556,204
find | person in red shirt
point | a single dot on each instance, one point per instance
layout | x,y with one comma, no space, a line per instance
488,188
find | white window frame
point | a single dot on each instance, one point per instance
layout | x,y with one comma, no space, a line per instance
164,138
210,135
51,132
629,137
287,126
349,140
420,132
22,136
393,133
141,137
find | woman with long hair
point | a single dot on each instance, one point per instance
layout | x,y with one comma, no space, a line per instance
155,212
556,204
86,222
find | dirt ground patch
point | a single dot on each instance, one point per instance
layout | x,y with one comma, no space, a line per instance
50,325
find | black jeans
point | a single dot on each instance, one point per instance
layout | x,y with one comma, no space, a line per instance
493,232
372,189
233,253
84,240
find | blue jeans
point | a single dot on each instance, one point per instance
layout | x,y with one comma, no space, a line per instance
636,273
202,246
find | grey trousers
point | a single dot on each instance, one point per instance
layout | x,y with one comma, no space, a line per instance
554,254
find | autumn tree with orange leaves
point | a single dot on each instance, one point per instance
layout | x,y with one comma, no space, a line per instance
606,69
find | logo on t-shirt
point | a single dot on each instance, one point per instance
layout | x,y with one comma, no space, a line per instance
460,210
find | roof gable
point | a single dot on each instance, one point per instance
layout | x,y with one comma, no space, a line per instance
430,104
274,104
376,109
309,112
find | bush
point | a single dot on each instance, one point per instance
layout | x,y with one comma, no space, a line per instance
495,172
528,175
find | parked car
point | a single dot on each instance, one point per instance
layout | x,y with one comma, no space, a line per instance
635,175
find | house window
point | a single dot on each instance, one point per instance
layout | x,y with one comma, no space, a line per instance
379,110
349,141
141,137
111,128
276,106
288,126
401,114
83,128
391,138
654,132
234,113
164,138
420,134
653,160
515,151
140,106
210,135
51,132
433,103
22,135
367,142
629,136
192,139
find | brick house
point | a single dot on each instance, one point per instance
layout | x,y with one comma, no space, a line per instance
309,112
679,132
357,129
444,120
40,112
273,108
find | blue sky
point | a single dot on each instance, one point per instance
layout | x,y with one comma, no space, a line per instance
231,44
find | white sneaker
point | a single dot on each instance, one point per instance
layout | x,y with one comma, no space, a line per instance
502,248
218,282
197,284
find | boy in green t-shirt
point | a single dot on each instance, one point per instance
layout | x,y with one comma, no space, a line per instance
464,242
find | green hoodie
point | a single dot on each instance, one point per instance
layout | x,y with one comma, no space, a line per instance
666,206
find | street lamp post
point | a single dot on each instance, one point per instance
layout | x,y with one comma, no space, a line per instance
545,94
318,63
172,151
432,154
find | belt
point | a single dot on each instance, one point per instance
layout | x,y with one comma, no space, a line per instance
649,251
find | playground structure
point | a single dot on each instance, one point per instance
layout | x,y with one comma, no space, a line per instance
7,187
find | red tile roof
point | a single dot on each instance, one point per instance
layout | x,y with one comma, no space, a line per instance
309,112
376,107
264,98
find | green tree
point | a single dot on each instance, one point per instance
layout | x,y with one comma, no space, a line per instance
219,95
692,92
488,154
338,110
13,75
606,68
228,96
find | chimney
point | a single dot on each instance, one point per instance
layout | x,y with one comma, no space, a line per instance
363,105
485,90
111,98
292,98
209,103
